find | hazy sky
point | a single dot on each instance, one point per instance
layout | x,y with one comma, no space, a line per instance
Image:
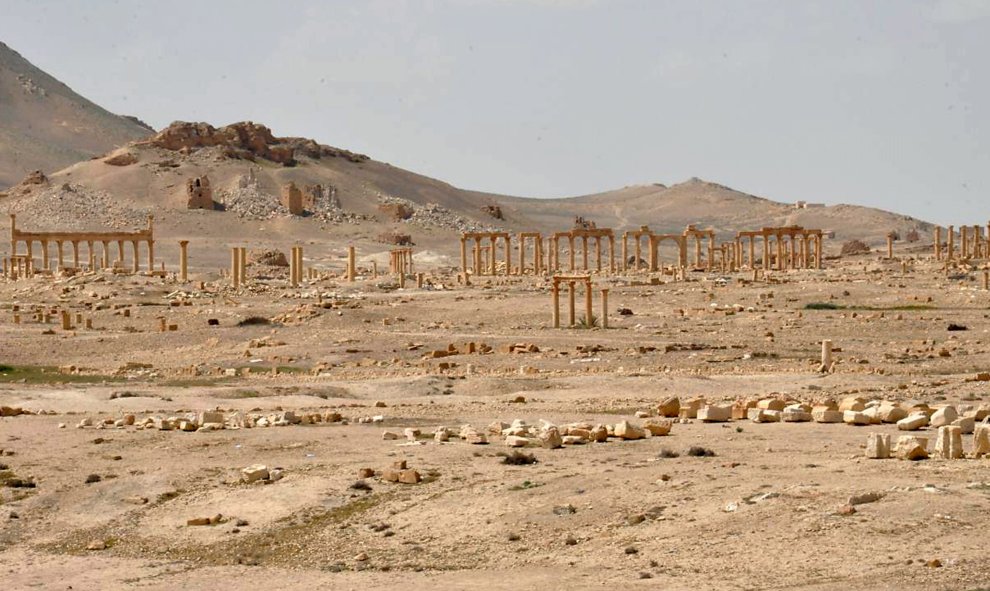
883,103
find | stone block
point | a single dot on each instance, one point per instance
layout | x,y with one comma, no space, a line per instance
944,416
855,403
790,415
516,441
822,414
409,477
628,431
948,444
771,404
855,417
550,438
891,413
913,422
878,446
658,427
254,473
759,415
669,407
981,441
967,424
715,413
911,447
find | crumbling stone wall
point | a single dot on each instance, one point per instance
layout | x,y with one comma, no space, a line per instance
199,194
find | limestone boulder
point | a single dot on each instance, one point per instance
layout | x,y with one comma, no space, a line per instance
913,422
944,416
911,447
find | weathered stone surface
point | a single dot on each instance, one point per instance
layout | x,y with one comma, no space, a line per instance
855,403
790,415
891,413
825,415
981,441
948,444
409,477
772,404
715,413
759,415
550,438
599,434
669,407
967,424
254,473
878,446
516,441
911,447
658,427
628,431
855,417
913,422
944,416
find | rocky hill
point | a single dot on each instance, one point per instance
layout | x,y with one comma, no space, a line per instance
46,126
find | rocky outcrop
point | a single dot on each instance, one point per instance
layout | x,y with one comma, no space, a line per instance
246,140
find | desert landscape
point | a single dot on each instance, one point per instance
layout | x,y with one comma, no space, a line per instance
230,358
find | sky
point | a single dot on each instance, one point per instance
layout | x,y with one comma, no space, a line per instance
880,103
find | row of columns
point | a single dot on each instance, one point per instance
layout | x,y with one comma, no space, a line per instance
802,251
588,304
972,243
479,265
23,265
585,252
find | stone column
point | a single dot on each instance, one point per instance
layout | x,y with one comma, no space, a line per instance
137,261
59,256
986,280
508,255
242,253
588,309
92,255
604,307
625,251
890,246
464,267
66,320
766,252
29,261
539,265
584,253
572,253
75,254
951,246
151,256
639,254
570,303
46,263
522,257
598,253
350,261
494,258
711,251
611,254
235,271
478,269
555,299
963,242
183,261
826,356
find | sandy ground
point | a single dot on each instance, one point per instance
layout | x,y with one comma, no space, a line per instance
766,511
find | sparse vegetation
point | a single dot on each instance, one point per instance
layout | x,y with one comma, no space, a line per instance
518,458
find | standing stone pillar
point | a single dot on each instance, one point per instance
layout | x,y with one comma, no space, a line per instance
951,246
46,263
639,253
75,254
766,252
584,253
464,268
183,261
818,251
986,280
235,271
120,254
522,256
137,261
66,320
890,245
604,307
242,267
59,256
151,256
478,269
351,271
938,243
826,356
588,309
539,265
625,251
611,254
92,255
570,303
572,254
508,255
555,300
598,253
963,242
491,248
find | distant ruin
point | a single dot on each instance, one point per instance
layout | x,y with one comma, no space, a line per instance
199,194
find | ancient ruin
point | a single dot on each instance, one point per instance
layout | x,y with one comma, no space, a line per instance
199,194
24,265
